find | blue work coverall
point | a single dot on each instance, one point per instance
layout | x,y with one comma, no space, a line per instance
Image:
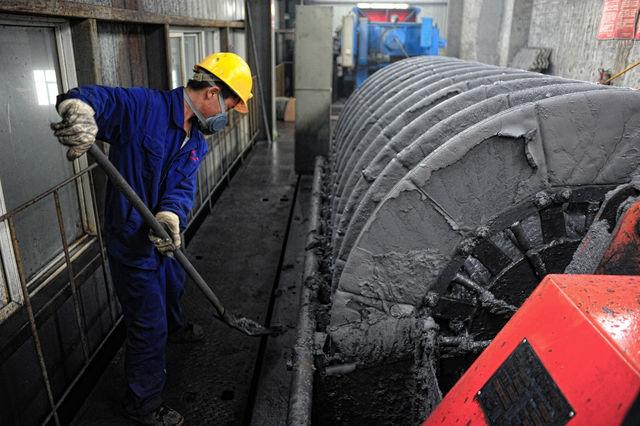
145,131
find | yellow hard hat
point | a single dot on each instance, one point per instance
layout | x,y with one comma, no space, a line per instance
233,71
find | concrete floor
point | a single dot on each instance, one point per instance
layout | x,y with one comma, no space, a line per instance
241,251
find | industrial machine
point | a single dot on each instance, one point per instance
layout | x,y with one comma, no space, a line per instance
571,353
370,39
452,190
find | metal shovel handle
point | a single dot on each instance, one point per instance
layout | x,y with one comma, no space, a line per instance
119,182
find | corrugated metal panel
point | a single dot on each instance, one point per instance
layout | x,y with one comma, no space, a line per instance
94,2
239,45
570,29
122,51
204,9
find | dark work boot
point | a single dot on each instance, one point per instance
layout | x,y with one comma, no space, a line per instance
162,416
190,333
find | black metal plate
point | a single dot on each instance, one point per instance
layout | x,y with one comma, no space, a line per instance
521,391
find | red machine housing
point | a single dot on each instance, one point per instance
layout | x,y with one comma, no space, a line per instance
384,15
583,330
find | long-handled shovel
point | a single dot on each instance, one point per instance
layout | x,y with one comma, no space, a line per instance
245,325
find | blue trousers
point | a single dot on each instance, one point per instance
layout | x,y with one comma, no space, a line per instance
150,301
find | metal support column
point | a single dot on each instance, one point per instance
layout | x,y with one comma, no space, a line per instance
455,9
85,45
157,50
262,59
313,81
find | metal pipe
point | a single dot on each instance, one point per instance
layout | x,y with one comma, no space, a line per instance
301,390
486,297
338,370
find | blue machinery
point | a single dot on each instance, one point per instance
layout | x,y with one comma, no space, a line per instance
372,39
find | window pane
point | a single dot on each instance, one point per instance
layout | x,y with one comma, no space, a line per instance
31,160
176,61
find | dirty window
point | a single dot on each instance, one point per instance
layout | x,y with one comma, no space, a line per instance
31,160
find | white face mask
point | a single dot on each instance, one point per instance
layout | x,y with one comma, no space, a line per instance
210,125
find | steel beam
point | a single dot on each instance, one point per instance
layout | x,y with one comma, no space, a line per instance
72,9
261,59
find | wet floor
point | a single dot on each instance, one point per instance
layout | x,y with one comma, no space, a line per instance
251,250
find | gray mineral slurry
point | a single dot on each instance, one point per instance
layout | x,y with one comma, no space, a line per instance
392,109
481,172
373,111
400,132
435,135
380,78
236,250
374,100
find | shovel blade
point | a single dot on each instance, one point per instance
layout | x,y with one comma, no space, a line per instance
252,328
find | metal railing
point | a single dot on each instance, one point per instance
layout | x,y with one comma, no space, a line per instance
225,150
27,293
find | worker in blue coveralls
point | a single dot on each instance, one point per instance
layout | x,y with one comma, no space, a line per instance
156,142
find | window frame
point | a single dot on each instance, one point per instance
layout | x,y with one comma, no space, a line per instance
13,299
202,37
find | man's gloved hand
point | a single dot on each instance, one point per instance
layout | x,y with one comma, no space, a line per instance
171,223
78,128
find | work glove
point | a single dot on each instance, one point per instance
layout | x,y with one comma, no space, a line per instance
171,223
78,128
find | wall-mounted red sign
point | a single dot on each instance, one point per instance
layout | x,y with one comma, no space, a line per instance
619,20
